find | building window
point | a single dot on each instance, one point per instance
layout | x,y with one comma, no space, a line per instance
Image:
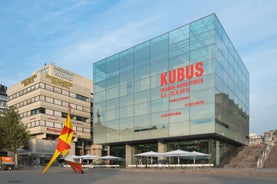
81,97
48,87
64,114
49,111
57,102
79,118
48,99
28,89
79,129
79,107
37,86
74,117
57,125
42,123
57,90
42,85
57,113
65,104
37,111
49,124
73,106
42,98
64,92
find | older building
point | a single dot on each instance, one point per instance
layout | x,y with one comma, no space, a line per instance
270,137
43,101
255,140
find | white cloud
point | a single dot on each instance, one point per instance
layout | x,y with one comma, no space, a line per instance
89,50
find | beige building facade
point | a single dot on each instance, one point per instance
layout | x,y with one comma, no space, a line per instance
255,140
270,137
43,101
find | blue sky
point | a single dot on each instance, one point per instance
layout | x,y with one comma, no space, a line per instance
73,34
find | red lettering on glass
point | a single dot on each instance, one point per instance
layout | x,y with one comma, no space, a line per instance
199,68
172,76
189,71
182,73
163,79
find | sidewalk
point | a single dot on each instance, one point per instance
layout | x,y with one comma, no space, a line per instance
213,171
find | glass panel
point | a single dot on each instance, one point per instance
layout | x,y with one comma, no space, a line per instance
157,120
177,115
142,127
112,82
126,77
126,100
126,127
179,34
143,73
142,97
126,61
202,111
142,85
202,25
155,93
159,68
159,42
202,54
179,48
127,111
202,126
209,67
179,128
99,72
112,104
142,54
127,123
98,97
142,123
112,66
179,61
142,108
206,95
112,130
112,93
155,81
112,114
207,81
159,105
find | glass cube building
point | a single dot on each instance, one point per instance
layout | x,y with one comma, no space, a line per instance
185,89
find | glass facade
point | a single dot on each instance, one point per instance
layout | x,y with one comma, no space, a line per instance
184,83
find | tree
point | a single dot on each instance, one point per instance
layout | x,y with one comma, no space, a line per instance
13,134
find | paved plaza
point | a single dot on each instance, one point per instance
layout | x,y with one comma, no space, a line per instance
140,176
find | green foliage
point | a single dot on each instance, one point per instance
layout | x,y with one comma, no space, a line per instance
13,133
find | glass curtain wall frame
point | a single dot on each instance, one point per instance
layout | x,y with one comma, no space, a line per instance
128,87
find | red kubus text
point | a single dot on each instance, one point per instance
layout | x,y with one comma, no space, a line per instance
182,73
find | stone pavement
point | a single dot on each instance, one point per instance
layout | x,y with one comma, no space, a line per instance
140,176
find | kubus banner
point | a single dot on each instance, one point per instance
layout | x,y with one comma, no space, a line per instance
177,83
